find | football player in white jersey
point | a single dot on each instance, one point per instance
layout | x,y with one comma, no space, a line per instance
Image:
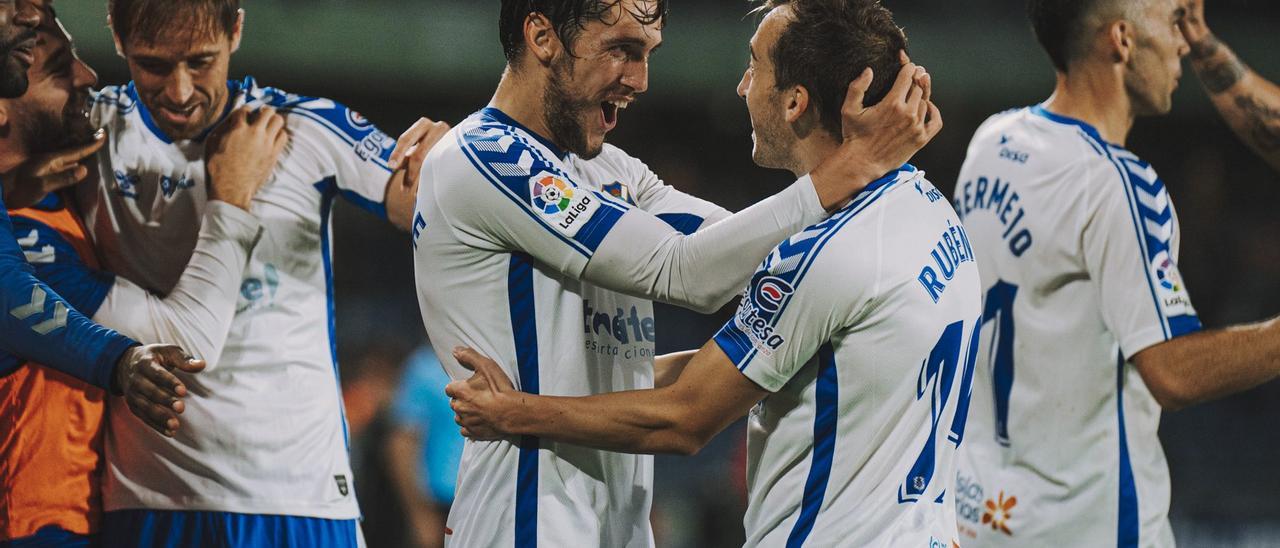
540,245
264,460
852,342
1090,331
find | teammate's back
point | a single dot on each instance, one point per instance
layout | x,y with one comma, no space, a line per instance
1076,243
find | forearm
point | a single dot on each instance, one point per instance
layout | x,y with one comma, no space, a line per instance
1248,103
400,200
642,256
197,314
667,367
641,421
1211,364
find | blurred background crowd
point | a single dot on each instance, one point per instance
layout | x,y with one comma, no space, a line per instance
394,60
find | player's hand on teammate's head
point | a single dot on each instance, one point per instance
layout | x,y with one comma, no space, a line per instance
479,403
46,173
144,376
241,154
413,145
879,139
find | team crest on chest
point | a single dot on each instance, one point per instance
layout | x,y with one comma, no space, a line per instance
619,191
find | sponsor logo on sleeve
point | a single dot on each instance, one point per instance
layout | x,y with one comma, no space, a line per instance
563,205
770,291
1169,286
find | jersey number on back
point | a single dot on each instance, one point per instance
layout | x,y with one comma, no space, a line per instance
999,308
937,376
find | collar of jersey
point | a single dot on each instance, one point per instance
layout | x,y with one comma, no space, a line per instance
503,118
233,89
1042,112
888,179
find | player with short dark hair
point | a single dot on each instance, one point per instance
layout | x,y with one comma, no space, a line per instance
1090,327
268,463
35,322
50,462
526,258
829,342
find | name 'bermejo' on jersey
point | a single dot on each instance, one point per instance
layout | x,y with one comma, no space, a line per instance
863,329
265,432
1077,244
547,262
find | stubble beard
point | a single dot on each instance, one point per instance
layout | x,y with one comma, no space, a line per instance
563,113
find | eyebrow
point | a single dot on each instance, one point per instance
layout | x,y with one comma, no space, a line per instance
59,58
630,42
751,48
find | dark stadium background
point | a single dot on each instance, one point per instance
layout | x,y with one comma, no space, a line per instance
396,59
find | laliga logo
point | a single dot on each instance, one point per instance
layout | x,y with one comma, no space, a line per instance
1162,267
552,195
770,292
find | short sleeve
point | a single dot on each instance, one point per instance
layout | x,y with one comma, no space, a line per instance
802,295
496,188
1128,242
352,151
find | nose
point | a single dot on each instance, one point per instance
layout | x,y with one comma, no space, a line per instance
1183,47
636,75
744,84
179,88
83,75
27,14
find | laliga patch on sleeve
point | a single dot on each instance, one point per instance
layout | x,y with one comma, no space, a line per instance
1169,287
566,207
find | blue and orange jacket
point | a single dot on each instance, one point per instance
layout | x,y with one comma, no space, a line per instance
51,446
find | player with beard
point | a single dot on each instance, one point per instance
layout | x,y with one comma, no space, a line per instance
35,323
50,461
539,244
848,349
268,463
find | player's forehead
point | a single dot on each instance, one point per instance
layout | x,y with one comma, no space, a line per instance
768,31
626,21
177,44
53,46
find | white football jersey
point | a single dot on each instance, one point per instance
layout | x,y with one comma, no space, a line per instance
264,431
862,328
505,227
1077,243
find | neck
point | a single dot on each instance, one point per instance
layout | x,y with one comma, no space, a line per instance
520,97
1095,95
809,152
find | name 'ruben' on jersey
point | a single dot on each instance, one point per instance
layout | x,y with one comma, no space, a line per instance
267,433
1077,244
863,328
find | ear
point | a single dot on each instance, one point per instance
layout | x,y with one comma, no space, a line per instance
1120,41
795,103
4,115
540,38
237,31
115,37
